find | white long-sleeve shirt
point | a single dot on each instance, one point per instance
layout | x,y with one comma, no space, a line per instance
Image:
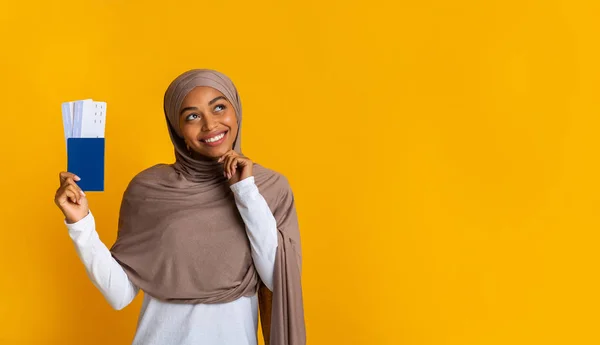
164,323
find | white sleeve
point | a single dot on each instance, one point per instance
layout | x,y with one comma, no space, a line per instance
102,269
261,227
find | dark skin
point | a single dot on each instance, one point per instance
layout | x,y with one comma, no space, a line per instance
209,127
205,113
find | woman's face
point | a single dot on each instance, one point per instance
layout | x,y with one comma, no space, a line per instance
207,122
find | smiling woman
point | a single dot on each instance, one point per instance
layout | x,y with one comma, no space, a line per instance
203,237
206,121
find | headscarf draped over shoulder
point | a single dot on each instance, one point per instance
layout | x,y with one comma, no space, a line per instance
182,240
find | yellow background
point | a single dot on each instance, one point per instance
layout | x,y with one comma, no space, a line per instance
443,154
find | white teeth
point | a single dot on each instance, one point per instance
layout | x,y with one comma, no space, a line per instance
217,138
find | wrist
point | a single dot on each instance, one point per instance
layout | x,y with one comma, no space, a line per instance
75,218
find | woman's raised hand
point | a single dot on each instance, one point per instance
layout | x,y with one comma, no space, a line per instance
70,198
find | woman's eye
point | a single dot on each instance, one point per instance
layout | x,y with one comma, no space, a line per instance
191,117
221,106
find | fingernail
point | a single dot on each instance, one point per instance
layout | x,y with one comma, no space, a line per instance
82,193
77,178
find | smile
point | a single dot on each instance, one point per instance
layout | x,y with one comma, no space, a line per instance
216,140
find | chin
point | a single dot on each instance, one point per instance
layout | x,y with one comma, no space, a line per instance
215,153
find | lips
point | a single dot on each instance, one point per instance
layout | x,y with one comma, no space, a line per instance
215,139
212,136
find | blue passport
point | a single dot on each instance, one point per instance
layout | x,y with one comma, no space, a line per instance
85,158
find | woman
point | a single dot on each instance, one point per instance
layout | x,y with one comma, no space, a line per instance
208,238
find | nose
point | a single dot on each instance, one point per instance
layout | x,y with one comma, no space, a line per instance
209,123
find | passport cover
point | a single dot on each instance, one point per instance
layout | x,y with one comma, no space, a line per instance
85,158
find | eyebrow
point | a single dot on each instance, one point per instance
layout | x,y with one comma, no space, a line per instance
216,99
195,108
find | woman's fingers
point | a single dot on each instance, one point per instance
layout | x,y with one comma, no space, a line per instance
227,166
223,157
226,160
231,161
63,175
74,194
64,195
69,193
232,166
70,182
71,196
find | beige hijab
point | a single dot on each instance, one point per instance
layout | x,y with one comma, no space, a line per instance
181,238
